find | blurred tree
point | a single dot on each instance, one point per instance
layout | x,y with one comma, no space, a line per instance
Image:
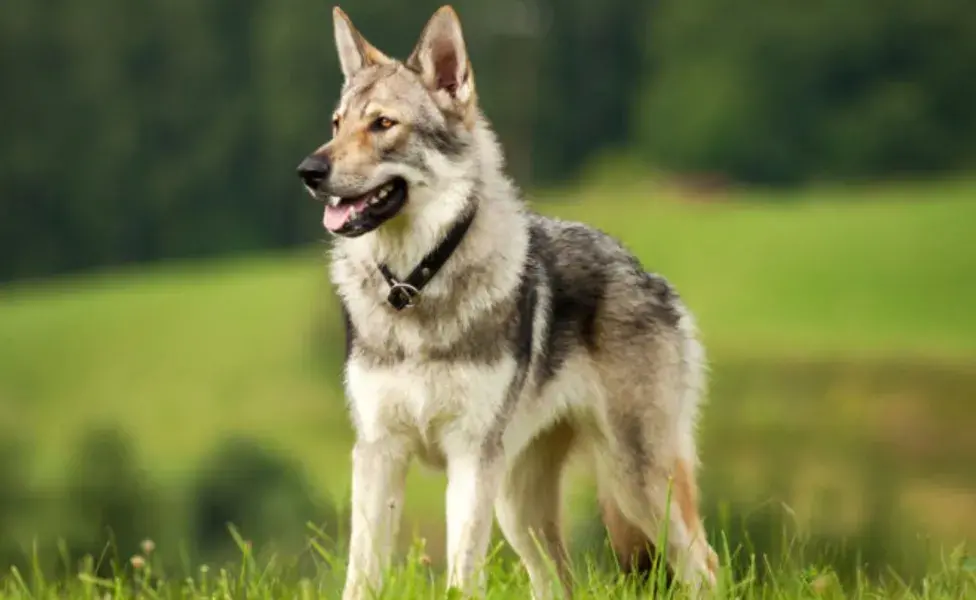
589,74
14,500
779,92
264,496
109,507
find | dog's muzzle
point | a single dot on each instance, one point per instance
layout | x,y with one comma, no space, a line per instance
314,170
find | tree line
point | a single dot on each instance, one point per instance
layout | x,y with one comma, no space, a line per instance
171,128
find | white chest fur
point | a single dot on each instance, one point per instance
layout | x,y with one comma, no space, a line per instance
444,407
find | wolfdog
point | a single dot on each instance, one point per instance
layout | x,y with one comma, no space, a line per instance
489,341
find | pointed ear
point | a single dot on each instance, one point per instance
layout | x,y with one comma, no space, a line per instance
442,59
355,52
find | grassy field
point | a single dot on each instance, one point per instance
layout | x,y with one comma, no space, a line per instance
840,324
415,579
849,272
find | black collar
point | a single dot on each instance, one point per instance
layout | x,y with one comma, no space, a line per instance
403,292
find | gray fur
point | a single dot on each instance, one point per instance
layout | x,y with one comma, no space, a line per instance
536,337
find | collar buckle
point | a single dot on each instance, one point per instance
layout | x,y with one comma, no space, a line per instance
402,295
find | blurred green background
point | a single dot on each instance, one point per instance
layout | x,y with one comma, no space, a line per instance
170,348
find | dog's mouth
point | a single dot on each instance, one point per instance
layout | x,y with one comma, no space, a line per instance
352,217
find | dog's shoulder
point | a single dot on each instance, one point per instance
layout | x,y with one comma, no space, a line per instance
592,275
580,257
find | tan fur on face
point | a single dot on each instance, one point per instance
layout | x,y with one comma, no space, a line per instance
355,143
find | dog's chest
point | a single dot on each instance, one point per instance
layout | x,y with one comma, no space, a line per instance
437,404
390,337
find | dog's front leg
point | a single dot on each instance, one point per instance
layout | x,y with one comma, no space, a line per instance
378,475
473,482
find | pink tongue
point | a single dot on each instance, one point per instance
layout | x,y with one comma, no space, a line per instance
337,216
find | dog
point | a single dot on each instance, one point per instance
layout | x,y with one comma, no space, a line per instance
489,341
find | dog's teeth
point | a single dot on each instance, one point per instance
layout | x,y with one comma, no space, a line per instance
374,200
382,193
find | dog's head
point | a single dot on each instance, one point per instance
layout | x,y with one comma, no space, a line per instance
399,126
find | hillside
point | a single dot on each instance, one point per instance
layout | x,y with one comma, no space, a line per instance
822,296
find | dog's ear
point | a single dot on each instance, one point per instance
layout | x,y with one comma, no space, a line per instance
355,52
441,58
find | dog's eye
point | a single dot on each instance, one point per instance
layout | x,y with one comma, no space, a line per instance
382,124
335,124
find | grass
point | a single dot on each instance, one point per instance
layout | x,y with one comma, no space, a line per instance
414,579
320,573
831,314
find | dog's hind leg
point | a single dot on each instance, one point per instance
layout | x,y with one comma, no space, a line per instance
634,552
659,502
528,510
647,465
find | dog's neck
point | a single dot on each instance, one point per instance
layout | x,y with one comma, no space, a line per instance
403,242
487,264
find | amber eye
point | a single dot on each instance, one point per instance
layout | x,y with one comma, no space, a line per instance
382,124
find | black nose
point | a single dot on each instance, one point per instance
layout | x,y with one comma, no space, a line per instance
314,170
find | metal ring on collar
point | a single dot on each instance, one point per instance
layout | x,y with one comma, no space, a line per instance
404,292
